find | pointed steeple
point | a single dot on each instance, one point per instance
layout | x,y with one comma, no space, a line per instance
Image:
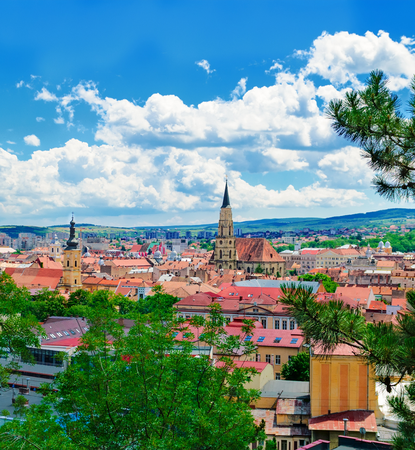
226,202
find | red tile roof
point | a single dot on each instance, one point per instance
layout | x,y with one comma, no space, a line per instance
334,422
258,366
376,305
256,250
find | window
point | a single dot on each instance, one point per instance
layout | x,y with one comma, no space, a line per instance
67,263
289,358
284,445
59,334
277,324
75,281
52,336
264,322
268,358
72,331
277,359
258,357
65,333
284,324
248,338
76,264
278,376
255,310
293,341
261,339
277,340
175,334
292,324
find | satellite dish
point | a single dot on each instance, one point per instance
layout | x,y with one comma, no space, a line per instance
362,431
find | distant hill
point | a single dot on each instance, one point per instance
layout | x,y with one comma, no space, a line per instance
384,217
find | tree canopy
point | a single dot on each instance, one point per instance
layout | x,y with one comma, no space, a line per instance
328,283
297,368
389,348
154,387
372,118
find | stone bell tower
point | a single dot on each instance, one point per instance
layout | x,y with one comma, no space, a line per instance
72,262
225,250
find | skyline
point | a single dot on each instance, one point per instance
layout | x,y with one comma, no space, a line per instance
137,123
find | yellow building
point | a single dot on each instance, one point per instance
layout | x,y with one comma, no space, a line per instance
342,386
72,262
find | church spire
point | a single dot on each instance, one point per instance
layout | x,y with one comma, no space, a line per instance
72,242
226,202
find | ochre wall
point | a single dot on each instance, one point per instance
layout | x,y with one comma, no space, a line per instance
341,383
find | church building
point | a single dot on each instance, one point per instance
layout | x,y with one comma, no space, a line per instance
240,253
72,262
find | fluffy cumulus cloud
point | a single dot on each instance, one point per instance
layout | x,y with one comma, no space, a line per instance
342,56
163,155
345,167
32,139
130,177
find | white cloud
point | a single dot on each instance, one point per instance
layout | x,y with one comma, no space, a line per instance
59,120
204,64
163,155
284,115
339,58
164,179
345,168
20,84
240,89
31,139
275,66
40,119
11,142
285,159
45,95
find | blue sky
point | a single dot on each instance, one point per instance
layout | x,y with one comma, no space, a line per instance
131,113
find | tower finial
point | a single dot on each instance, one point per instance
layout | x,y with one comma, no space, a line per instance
226,202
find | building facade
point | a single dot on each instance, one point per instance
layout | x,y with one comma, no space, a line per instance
251,255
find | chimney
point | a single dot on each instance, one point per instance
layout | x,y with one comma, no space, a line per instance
345,426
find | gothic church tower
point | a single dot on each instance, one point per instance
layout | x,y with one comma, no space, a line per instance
225,249
72,262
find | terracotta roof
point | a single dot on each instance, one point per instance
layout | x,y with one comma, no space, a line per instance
334,422
258,366
256,250
29,277
377,305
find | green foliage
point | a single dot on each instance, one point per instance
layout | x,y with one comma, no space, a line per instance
146,390
282,248
20,407
17,331
259,269
371,118
328,283
158,302
297,368
271,444
4,412
389,349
